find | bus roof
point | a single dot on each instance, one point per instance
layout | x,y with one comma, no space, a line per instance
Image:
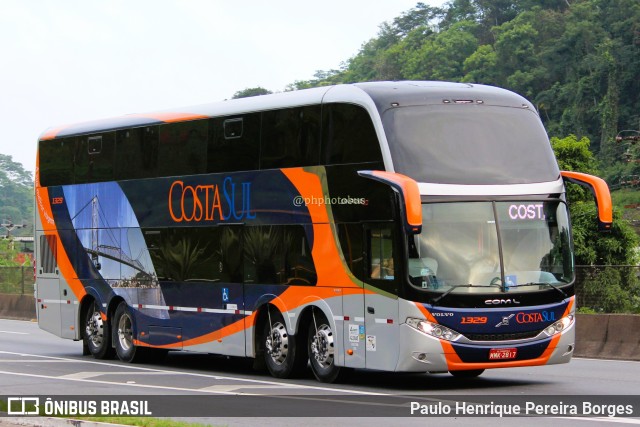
382,94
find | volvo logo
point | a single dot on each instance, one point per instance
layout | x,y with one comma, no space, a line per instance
505,321
501,301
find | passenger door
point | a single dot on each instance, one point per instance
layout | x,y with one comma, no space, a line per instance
381,297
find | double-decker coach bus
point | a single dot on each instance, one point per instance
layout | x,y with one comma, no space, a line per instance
396,226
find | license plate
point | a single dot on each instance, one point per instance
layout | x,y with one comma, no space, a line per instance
502,353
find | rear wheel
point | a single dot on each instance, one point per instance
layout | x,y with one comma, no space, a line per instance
123,331
321,349
97,338
473,373
283,357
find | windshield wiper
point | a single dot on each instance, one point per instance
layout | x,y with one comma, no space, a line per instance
435,300
564,294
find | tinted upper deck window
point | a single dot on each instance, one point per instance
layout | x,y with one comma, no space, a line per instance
348,135
56,161
234,143
290,137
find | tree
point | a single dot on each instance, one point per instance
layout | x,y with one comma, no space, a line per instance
607,289
16,195
252,91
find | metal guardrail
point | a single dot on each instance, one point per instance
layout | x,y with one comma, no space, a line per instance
599,289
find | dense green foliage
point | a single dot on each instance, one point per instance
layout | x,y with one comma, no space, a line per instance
250,91
16,196
578,61
604,289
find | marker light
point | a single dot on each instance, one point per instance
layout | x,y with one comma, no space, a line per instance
433,329
559,326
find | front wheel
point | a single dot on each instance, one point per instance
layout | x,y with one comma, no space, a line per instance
97,337
283,357
123,332
321,347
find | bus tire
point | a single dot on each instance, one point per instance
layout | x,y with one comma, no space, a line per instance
472,373
96,339
321,348
123,327
282,354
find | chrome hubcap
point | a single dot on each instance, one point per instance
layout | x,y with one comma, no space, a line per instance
277,343
95,329
322,346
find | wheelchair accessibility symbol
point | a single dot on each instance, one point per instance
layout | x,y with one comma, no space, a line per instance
225,294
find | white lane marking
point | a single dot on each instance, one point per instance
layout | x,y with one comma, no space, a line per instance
91,374
193,374
235,387
50,377
80,375
12,332
32,361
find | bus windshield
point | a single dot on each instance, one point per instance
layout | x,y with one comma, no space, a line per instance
473,144
492,247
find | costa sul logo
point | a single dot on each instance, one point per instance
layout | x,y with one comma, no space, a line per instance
543,316
212,202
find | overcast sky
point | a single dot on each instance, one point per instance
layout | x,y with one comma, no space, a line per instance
68,61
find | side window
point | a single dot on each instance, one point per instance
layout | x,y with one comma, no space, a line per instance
94,158
196,254
351,240
48,254
278,255
137,153
182,148
56,161
234,143
381,257
348,135
290,137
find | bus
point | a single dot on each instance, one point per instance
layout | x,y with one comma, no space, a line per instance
393,226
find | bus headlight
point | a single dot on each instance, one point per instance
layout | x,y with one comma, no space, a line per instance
433,329
559,326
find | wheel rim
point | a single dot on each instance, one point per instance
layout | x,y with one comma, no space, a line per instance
125,332
277,343
95,329
322,346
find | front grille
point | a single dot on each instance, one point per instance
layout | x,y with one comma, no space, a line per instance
502,337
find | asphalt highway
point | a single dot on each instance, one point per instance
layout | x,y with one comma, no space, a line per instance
36,363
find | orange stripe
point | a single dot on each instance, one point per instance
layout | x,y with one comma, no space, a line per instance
455,363
426,313
52,133
330,266
49,227
171,117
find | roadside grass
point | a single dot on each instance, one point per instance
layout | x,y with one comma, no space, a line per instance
142,421
126,421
